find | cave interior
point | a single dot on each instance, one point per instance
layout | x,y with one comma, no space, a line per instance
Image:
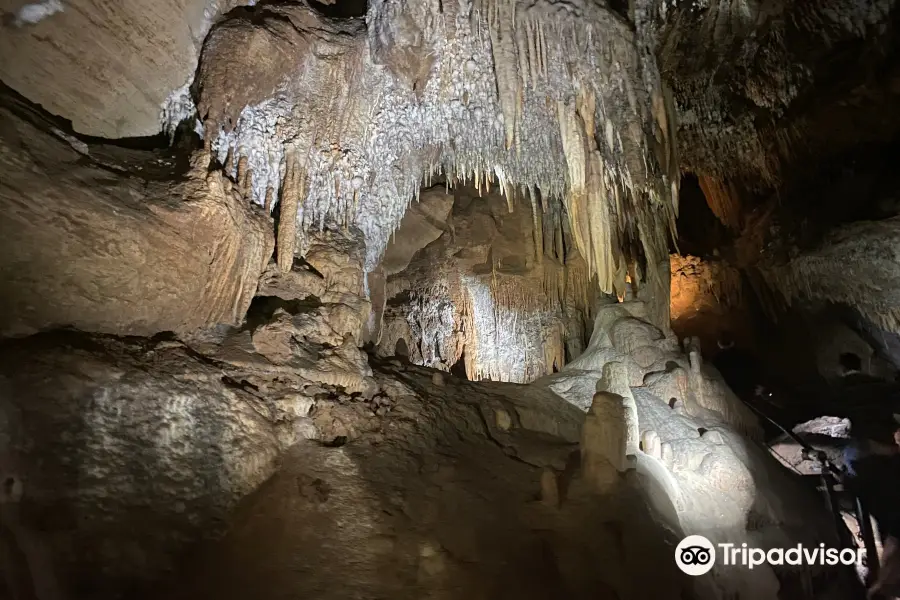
488,299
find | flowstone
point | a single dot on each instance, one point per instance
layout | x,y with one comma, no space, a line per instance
694,465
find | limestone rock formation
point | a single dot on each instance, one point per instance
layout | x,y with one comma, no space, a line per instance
707,300
285,356
110,68
105,240
353,521
610,434
693,460
138,448
161,438
495,105
131,450
499,291
855,265
783,96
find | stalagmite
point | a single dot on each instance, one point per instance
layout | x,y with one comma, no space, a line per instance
609,440
615,381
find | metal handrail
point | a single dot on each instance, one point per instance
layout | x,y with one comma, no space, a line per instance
831,474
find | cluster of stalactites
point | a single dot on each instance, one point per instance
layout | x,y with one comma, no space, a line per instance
567,112
617,217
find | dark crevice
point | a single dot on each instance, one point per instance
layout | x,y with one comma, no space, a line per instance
11,98
263,308
300,264
402,299
341,9
459,367
700,233
336,442
150,157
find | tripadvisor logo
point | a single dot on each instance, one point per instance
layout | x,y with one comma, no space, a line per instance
696,555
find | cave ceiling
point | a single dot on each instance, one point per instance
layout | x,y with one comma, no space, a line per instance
328,117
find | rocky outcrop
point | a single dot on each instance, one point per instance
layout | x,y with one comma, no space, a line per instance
110,68
855,265
546,511
693,460
526,100
399,480
110,240
128,450
442,501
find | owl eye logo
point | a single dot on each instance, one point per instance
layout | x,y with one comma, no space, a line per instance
695,555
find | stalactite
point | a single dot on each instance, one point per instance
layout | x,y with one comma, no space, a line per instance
291,195
537,233
505,66
723,200
229,161
534,67
521,33
243,176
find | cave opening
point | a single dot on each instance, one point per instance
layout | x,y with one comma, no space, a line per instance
850,362
700,232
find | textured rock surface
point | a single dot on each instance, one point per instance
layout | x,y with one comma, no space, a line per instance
529,99
693,461
707,299
130,449
381,515
500,290
775,82
855,265
108,240
109,67
441,502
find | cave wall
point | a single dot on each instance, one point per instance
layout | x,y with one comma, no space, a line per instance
114,69
118,241
790,91
127,451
